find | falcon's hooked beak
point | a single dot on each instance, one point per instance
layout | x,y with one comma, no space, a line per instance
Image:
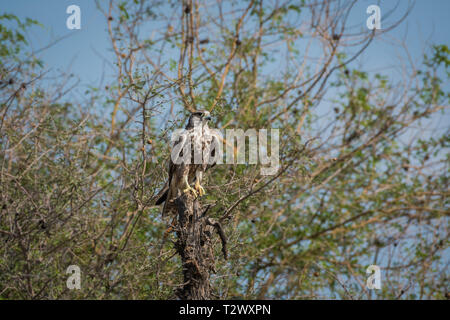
207,116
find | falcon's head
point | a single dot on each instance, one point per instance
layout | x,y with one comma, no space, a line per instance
199,118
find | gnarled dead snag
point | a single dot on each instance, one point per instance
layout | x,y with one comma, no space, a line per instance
194,246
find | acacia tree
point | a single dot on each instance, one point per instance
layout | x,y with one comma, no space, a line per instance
359,182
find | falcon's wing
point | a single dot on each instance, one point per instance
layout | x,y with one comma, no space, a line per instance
163,195
214,150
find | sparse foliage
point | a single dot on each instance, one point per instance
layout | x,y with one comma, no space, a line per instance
369,187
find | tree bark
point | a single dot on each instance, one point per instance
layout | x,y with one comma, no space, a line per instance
195,249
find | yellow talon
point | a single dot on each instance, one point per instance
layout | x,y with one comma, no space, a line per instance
199,188
189,188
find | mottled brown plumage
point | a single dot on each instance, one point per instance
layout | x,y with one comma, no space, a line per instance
183,170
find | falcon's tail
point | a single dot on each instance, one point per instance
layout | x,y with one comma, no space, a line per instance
162,198
162,194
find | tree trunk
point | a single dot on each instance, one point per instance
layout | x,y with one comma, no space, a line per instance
195,248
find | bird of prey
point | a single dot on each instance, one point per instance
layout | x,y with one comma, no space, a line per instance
193,153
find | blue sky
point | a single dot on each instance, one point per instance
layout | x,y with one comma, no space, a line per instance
85,52
82,49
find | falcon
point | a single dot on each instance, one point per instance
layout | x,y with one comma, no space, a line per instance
193,153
